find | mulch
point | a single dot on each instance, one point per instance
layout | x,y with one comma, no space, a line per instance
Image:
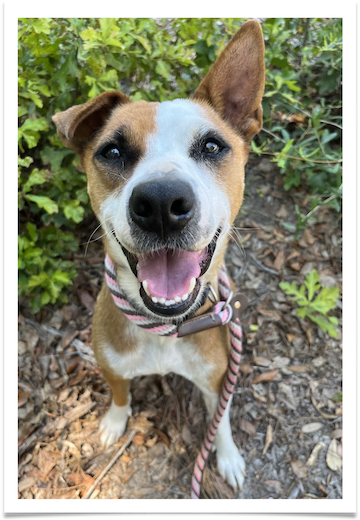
287,408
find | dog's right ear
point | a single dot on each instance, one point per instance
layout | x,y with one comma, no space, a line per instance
76,125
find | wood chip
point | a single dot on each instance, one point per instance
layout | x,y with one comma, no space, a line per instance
268,438
333,459
26,483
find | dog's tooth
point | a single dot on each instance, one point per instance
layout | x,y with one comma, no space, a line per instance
172,302
162,301
177,299
192,284
146,288
185,297
154,299
167,303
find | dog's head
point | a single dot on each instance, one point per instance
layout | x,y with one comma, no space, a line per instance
166,180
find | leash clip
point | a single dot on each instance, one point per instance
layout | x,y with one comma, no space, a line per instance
229,298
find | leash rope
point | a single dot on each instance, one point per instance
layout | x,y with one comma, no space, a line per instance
227,315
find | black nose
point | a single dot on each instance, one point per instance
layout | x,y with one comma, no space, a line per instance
163,207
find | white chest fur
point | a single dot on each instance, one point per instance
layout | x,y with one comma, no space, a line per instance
159,355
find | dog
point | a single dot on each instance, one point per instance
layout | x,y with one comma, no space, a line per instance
166,181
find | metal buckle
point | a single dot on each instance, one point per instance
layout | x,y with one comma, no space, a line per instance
229,298
213,298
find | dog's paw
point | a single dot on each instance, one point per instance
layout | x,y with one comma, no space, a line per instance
113,424
231,465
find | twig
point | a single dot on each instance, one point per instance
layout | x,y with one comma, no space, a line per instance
263,267
112,462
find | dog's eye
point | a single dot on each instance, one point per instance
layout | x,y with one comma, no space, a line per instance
211,148
111,153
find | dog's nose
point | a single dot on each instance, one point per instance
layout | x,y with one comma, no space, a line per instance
163,207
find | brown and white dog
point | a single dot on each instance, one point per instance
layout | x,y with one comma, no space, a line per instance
166,181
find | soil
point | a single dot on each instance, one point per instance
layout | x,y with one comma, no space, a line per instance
287,408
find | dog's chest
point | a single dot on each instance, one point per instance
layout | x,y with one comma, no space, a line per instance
159,355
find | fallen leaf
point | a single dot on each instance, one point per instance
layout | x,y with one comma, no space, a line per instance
311,427
268,438
279,260
86,299
140,423
139,439
295,266
275,484
298,468
259,397
262,361
282,212
246,368
268,313
22,398
299,369
247,427
128,474
186,434
333,459
310,239
162,436
337,433
313,456
293,254
265,376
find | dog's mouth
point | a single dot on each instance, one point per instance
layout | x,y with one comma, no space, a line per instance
170,278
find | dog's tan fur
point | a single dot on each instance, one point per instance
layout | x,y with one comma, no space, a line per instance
231,96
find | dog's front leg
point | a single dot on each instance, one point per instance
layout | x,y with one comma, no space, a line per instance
230,463
113,424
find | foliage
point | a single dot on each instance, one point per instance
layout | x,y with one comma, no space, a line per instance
317,303
302,106
67,61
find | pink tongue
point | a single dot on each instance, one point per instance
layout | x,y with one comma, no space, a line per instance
168,273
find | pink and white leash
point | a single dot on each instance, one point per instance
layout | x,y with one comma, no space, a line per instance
225,312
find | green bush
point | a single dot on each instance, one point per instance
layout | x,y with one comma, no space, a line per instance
64,61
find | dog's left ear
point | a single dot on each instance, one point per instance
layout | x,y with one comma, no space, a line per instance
235,83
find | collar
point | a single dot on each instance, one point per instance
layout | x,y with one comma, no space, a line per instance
219,314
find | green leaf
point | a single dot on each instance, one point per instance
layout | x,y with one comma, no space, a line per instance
54,157
36,177
25,161
311,280
163,69
61,277
44,202
73,210
38,279
41,26
144,42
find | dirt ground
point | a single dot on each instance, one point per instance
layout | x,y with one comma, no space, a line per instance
287,407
